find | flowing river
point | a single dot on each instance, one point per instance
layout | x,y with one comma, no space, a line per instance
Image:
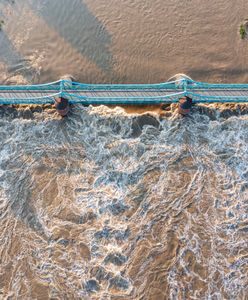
112,203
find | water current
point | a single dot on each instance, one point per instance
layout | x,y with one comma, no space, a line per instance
123,203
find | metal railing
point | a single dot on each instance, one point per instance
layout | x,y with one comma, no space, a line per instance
173,90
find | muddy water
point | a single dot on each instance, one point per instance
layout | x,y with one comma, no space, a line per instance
108,205
113,205
122,41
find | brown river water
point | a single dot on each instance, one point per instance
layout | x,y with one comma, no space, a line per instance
110,203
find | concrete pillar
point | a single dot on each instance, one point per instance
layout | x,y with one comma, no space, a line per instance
184,106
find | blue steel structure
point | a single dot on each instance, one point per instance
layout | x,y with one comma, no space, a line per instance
126,94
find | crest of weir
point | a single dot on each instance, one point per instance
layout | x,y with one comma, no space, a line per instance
126,94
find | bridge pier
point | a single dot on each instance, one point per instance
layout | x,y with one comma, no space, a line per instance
61,103
68,79
62,106
184,106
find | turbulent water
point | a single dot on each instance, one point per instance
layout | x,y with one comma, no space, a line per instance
110,203
106,205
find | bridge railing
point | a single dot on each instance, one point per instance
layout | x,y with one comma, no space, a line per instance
199,98
54,86
46,93
87,100
171,85
215,86
30,94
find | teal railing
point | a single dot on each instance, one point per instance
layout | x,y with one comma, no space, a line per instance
171,91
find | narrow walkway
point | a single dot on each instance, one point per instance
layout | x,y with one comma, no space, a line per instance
136,94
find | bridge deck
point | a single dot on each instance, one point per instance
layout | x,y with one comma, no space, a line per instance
123,94
126,93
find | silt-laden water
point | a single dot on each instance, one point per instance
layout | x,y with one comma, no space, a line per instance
108,205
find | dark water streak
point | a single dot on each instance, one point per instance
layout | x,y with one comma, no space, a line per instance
73,19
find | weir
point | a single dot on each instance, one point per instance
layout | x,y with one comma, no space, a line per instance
126,94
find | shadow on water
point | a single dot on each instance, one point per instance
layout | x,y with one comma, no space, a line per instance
79,27
15,62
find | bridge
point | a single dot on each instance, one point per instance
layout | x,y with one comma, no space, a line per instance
125,94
